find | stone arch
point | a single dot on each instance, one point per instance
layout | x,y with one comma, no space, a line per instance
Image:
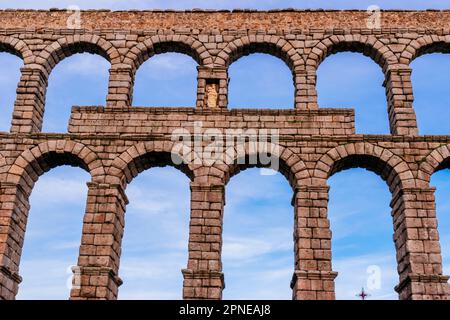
436,160
273,45
390,167
290,164
416,48
184,44
16,47
398,106
143,156
423,45
60,49
65,47
270,44
129,164
158,44
393,170
22,175
34,162
367,45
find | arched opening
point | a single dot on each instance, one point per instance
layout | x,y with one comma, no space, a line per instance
430,78
363,227
22,176
53,234
362,247
257,250
166,79
260,81
352,80
156,225
9,78
82,80
155,243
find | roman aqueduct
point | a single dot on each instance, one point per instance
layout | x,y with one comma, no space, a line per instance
115,142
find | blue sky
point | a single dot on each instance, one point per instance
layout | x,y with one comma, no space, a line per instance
258,248
225,4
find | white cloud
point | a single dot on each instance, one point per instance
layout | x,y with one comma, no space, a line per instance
241,188
239,249
149,200
76,69
152,276
84,64
271,281
45,279
153,267
59,190
64,245
353,276
168,66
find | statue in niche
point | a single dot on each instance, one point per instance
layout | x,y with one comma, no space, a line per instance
212,95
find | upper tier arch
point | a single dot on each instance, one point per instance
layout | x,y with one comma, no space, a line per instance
273,45
368,45
423,45
185,44
65,47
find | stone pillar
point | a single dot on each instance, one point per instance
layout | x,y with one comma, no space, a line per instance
402,117
9,283
203,278
313,277
417,242
305,89
96,276
120,87
210,79
30,101
14,210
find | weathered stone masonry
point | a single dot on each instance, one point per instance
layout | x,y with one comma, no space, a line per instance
115,142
